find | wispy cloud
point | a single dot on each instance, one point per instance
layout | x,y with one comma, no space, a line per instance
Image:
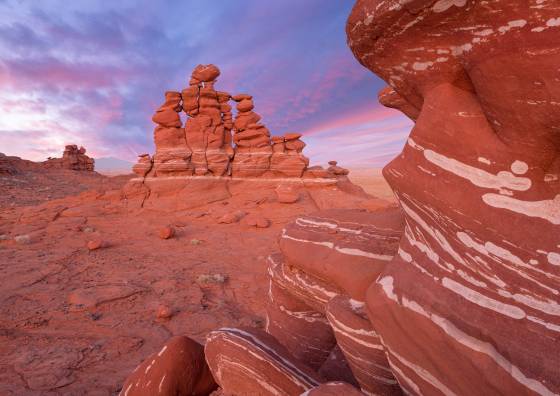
93,73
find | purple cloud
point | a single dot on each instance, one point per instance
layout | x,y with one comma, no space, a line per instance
93,73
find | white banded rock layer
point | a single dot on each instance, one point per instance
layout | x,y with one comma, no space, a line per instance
305,332
333,389
471,303
364,241
362,346
251,362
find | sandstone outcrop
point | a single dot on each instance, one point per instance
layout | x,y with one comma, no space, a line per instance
251,362
213,143
178,368
73,158
316,306
470,304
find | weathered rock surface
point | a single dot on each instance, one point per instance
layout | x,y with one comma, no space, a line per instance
179,368
361,346
470,304
310,311
364,241
251,362
334,389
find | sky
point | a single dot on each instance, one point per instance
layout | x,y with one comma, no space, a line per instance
92,73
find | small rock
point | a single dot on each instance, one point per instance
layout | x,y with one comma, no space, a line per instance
195,241
286,194
166,232
232,217
212,278
22,239
95,244
164,312
256,220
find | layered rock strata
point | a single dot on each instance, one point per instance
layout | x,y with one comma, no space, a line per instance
316,306
213,143
470,305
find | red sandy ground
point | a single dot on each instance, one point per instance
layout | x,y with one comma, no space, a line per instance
76,322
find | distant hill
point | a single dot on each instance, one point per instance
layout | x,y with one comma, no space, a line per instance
113,166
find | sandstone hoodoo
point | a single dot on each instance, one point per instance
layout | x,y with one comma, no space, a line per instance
214,143
73,158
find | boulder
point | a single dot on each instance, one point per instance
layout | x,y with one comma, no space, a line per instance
256,220
178,368
286,194
166,232
251,362
205,73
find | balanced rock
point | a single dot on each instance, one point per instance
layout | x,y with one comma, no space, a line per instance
178,368
470,304
205,73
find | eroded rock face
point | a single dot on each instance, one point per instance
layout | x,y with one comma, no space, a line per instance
251,362
213,143
73,158
471,302
364,241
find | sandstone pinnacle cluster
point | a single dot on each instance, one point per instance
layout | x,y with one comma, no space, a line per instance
73,158
213,142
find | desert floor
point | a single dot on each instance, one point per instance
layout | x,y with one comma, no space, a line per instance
75,322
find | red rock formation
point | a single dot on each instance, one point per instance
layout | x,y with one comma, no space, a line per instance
179,368
471,303
73,158
333,389
364,241
316,304
361,346
206,145
251,362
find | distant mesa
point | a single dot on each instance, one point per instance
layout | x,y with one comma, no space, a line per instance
213,142
73,158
